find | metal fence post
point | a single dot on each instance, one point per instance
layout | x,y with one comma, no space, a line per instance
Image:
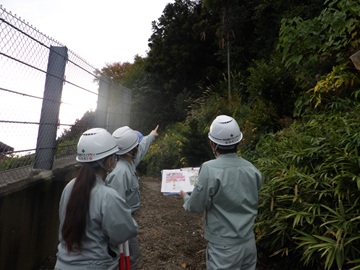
126,99
119,107
46,140
102,103
113,113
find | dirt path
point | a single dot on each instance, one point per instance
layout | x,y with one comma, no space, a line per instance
170,238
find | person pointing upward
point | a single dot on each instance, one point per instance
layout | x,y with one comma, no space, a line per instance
124,178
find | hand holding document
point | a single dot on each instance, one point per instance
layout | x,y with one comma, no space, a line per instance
179,179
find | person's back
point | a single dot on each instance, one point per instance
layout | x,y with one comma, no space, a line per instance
233,185
93,217
227,191
101,227
132,147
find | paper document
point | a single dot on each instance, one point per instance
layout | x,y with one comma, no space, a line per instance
179,179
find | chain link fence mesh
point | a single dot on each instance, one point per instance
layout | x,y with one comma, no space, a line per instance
28,99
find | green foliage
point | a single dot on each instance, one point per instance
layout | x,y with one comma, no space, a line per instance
184,57
67,142
338,83
271,83
196,148
255,118
135,75
165,152
310,202
66,147
177,50
214,101
313,46
333,87
255,121
267,21
147,109
75,131
14,161
118,72
183,145
179,58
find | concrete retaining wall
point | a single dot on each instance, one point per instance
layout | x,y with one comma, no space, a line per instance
29,219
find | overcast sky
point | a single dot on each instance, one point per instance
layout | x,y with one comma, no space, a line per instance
100,32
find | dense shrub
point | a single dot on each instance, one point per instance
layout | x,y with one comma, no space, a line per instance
181,145
310,202
165,152
271,83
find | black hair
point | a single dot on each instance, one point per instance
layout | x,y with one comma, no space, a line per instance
74,227
226,149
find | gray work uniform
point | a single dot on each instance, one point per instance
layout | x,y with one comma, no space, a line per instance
126,182
109,222
124,178
227,191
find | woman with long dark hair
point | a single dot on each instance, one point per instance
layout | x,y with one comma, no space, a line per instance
93,217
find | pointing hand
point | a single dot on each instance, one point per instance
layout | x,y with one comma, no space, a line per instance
154,131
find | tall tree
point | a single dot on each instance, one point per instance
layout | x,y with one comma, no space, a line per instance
179,59
225,33
116,71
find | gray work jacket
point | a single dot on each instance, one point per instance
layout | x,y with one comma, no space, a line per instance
124,178
109,222
227,191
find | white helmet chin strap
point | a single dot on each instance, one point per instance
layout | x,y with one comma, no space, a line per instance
214,150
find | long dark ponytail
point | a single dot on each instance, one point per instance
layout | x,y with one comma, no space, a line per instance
77,207
94,147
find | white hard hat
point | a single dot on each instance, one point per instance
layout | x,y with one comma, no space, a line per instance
139,135
126,140
120,131
225,131
95,144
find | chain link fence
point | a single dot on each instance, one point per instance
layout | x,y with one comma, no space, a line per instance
48,97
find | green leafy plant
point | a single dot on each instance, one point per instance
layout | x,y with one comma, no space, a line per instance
15,161
310,202
165,152
338,83
311,47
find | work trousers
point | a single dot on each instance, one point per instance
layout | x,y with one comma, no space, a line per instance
134,248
